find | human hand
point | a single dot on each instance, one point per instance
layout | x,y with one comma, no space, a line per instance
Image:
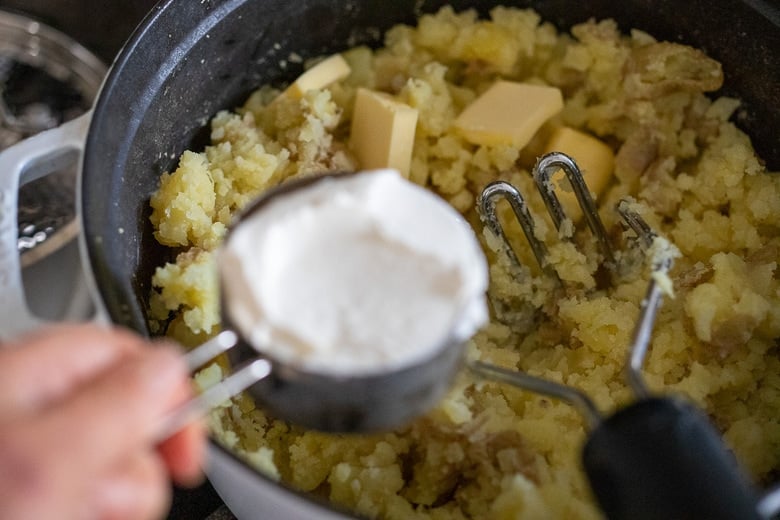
79,411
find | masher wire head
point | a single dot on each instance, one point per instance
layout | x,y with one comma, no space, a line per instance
487,210
649,305
545,167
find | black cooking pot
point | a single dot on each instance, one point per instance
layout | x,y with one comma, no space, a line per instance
190,59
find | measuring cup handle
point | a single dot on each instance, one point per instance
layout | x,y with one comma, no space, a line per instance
229,387
30,159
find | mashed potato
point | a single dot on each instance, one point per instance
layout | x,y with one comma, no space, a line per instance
491,451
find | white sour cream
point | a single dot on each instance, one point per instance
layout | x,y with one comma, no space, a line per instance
354,275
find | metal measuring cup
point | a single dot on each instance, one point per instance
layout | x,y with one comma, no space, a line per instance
337,403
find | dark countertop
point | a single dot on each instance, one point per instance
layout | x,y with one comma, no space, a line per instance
223,513
201,503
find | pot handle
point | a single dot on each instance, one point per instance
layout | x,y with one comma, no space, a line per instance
30,159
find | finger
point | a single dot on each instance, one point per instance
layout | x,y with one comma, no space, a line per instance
137,490
26,489
185,451
46,365
184,454
116,414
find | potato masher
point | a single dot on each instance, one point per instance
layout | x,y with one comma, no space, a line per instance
659,457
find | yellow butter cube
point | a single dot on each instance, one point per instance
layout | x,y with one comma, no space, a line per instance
508,113
594,159
321,75
383,129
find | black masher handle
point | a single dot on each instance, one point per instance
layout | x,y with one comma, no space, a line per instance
660,458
